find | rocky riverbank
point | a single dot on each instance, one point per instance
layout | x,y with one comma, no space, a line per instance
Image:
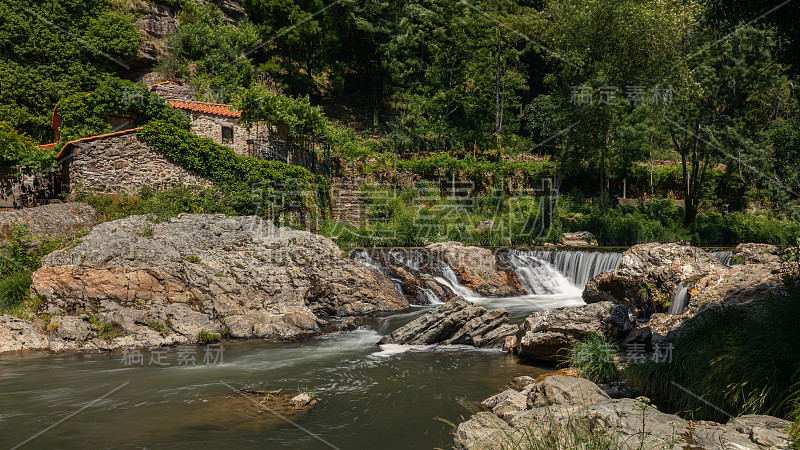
136,283
570,412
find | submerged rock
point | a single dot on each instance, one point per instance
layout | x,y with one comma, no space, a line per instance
456,322
163,283
546,334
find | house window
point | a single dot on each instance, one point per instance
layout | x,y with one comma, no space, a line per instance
227,135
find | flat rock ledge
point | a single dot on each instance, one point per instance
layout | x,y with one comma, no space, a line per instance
135,283
456,322
553,412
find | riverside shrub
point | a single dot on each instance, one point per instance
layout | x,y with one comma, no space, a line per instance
738,360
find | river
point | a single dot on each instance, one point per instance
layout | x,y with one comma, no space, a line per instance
369,396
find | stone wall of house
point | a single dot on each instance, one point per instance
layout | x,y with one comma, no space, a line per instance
19,189
210,126
172,91
123,163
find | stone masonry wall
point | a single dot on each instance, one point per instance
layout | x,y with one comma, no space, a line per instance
210,126
124,163
347,205
172,91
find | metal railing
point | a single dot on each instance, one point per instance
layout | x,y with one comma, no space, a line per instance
301,150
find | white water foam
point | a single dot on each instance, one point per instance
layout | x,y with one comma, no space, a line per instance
539,277
679,300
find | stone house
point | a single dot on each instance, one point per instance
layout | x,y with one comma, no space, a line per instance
120,162
216,121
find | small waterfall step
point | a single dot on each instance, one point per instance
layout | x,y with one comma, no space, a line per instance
679,300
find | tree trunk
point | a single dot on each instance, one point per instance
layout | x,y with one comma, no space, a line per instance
497,122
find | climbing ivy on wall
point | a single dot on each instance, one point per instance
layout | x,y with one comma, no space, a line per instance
272,185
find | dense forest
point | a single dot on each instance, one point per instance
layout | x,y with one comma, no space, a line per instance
695,101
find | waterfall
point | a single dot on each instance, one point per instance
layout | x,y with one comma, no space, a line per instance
579,266
540,277
450,280
724,256
363,257
679,300
554,272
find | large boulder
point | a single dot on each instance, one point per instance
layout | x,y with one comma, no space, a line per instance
456,322
742,285
572,392
234,275
483,431
748,253
477,269
546,334
651,271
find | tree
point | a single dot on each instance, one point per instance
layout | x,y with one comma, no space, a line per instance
725,99
603,51
50,49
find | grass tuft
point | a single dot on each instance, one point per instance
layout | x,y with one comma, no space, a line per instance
595,359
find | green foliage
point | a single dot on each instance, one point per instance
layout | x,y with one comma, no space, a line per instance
51,49
86,114
297,114
14,292
194,259
105,330
210,53
206,338
421,215
157,326
661,221
17,149
595,359
146,231
740,360
162,205
19,252
255,186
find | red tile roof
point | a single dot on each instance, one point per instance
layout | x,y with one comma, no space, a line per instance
69,144
218,109
165,82
48,146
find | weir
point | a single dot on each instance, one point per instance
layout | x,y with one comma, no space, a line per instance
550,272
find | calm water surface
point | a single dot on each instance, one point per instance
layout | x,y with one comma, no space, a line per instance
386,397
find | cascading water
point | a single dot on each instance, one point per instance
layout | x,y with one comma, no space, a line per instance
556,272
450,280
539,277
724,256
579,266
363,257
679,300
